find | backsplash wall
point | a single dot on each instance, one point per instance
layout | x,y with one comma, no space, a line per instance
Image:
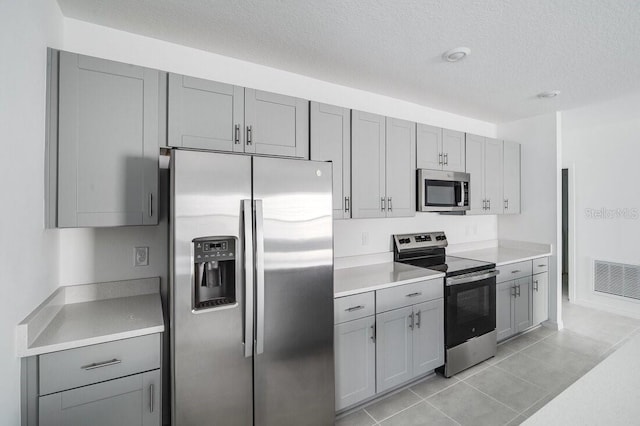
356,237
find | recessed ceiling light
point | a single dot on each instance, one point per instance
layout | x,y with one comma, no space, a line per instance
457,54
548,95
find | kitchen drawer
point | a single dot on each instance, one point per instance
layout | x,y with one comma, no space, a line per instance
514,271
408,294
353,307
96,363
540,265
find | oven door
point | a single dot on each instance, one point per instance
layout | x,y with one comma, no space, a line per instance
470,307
442,191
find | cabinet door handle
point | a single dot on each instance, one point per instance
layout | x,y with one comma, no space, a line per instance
150,209
236,134
382,204
411,323
518,288
535,287
347,203
249,135
506,204
446,159
373,333
101,364
389,204
440,159
354,308
419,315
489,204
151,395
417,293
514,291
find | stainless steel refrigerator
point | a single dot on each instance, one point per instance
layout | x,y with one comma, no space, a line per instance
251,294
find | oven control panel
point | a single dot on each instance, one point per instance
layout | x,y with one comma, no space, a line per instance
406,242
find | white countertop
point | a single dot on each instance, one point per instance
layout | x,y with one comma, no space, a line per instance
503,255
361,279
89,314
606,395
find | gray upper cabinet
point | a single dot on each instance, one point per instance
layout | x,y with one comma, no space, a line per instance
493,192
368,165
205,114
400,168
440,149
276,124
453,151
475,168
110,119
429,147
511,177
331,141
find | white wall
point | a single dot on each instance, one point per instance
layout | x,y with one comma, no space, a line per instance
28,253
602,144
540,188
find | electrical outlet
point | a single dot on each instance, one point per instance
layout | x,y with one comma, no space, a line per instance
141,256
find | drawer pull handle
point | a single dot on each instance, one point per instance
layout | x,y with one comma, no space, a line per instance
540,266
516,271
417,293
354,308
101,364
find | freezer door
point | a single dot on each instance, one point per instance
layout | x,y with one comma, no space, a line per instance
293,365
211,372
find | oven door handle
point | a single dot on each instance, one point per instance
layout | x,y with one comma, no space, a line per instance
464,279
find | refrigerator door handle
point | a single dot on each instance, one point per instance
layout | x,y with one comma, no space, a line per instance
259,276
247,213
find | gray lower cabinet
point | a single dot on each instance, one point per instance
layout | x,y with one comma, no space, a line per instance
105,122
331,141
505,320
111,384
522,305
540,293
355,358
132,401
410,343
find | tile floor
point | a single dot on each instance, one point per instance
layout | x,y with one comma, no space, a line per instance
526,373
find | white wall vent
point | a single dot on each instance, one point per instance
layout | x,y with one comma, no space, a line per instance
617,278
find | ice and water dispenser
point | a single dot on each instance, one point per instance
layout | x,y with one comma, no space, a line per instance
214,272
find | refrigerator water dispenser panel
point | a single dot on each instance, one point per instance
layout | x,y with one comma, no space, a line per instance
214,278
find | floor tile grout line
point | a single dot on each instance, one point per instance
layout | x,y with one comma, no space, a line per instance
496,400
443,413
441,390
372,418
397,412
521,378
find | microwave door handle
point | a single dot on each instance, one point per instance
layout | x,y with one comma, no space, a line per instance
462,199
247,217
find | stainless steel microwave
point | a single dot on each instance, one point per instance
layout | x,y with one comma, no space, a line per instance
440,191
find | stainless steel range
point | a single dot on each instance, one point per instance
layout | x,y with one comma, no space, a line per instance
470,298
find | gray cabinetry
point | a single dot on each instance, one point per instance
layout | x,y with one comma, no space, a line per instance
205,114
368,165
114,383
276,124
331,141
493,193
132,400
394,347
505,320
400,167
475,168
210,115
440,149
511,177
355,349
106,120
540,297
522,304
428,336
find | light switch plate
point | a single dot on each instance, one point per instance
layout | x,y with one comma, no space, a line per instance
141,256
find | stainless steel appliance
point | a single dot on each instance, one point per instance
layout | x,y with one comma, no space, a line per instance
251,292
440,191
469,298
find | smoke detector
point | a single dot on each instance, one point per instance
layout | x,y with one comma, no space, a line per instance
548,95
457,54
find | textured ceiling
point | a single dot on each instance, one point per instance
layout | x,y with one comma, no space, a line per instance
587,49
